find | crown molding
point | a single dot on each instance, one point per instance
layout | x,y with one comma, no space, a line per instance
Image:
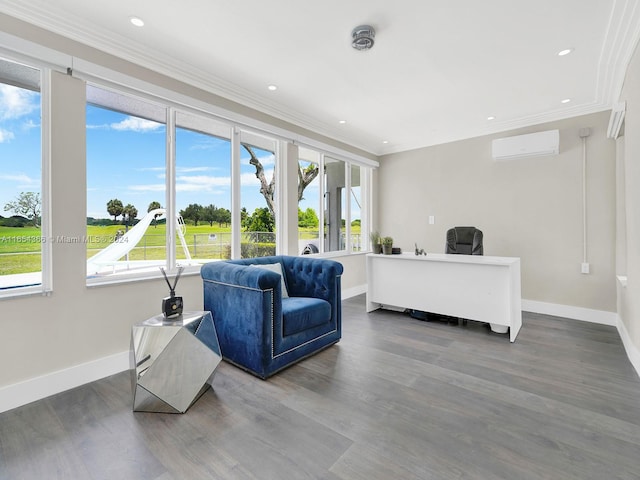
621,38
499,127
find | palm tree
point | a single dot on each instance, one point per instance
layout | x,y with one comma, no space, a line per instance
129,213
114,207
154,206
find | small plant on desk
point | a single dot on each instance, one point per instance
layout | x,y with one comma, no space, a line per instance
387,245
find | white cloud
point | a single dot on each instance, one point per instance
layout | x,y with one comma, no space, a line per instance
201,183
250,179
268,160
194,187
136,124
208,144
6,136
16,102
21,180
29,124
204,180
264,160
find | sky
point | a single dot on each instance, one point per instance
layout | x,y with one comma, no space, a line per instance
126,160
20,163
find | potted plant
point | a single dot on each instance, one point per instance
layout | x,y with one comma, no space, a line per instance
375,238
387,245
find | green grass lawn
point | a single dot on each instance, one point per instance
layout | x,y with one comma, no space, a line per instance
20,247
20,263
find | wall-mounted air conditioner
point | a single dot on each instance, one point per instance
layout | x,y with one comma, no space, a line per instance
529,145
616,120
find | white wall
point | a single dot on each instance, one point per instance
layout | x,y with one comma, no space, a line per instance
529,208
629,212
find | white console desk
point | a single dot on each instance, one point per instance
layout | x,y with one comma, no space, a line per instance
474,287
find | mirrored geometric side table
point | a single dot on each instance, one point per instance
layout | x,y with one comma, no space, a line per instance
173,361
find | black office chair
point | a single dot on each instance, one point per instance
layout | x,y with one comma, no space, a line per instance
464,241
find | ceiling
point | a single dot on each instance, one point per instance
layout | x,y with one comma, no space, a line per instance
437,71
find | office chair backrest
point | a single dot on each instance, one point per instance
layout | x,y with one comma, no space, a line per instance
464,241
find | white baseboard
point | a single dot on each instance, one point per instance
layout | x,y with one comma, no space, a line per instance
576,313
632,351
353,291
588,315
18,394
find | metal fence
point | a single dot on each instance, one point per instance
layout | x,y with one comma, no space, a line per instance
218,245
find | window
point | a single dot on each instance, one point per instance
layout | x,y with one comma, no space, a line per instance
149,205
258,195
169,184
335,204
23,235
357,242
331,205
203,188
309,201
126,177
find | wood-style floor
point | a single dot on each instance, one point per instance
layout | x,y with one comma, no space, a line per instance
397,398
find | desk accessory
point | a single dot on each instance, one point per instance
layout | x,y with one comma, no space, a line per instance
172,305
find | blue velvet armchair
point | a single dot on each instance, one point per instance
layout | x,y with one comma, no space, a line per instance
260,329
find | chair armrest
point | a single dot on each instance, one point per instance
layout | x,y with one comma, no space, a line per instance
246,305
242,276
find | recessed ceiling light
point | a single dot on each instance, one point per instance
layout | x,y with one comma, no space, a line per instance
137,21
273,88
564,52
491,117
566,100
385,141
342,122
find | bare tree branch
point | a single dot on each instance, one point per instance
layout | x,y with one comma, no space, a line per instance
267,189
306,176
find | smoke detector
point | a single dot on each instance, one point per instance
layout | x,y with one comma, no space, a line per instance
363,37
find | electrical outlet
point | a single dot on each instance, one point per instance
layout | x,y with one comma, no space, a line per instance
432,219
585,268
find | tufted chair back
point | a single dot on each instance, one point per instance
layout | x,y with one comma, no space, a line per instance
464,241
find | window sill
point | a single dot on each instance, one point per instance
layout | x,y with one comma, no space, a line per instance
139,277
18,292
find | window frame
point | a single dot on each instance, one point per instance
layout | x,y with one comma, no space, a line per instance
48,60
365,199
45,287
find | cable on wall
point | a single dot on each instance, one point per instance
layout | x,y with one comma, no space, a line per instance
584,133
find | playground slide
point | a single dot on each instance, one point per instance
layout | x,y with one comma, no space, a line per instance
123,245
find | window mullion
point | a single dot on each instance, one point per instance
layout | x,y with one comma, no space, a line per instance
347,207
322,203
171,188
235,194
45,212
